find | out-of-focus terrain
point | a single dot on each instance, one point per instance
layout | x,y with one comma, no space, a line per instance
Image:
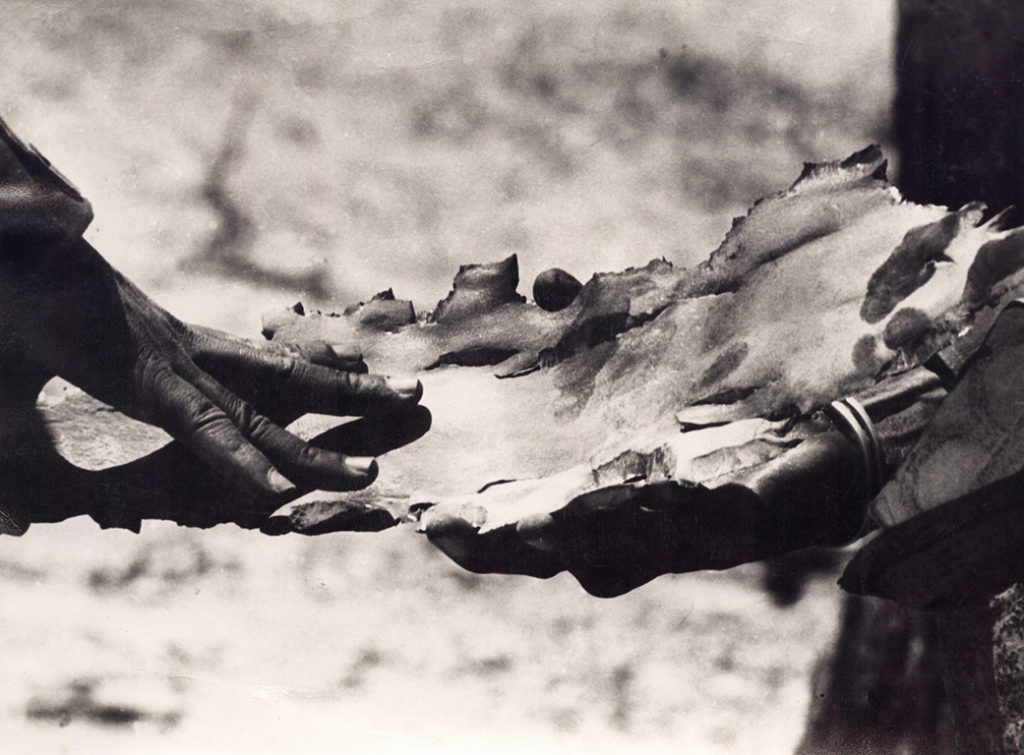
241,156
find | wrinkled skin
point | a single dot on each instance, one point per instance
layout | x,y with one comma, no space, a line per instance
66,312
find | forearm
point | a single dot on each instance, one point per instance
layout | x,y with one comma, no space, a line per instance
36,201
817,493
44,215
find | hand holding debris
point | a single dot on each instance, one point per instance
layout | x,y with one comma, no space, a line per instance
715,498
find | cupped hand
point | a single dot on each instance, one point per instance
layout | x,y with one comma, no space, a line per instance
612,539
617,536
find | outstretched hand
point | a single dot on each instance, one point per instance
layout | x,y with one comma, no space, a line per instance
612,539
67,312
618,536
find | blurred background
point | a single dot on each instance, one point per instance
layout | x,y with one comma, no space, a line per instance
241,156
342,148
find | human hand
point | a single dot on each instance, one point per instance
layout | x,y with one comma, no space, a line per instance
611,539
618,534
68,313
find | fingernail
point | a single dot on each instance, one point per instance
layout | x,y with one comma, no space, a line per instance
276,525
406,388
279,483
362,465
454,548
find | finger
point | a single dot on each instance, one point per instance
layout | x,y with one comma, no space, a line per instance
325,354
376,434
281,379
328,391
453,536
215,342
203,426
316,352
226,356
499,551
309,466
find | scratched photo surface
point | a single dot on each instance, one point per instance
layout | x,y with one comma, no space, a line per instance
244,156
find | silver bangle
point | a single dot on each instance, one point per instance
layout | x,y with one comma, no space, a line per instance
852,420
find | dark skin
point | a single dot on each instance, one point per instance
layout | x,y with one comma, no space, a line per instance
66,312
616,538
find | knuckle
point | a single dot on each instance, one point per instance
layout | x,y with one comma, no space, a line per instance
251,422
158,396
308,454
206,419
150,369
246,415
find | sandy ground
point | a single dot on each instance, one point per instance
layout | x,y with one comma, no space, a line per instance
381,145
225,641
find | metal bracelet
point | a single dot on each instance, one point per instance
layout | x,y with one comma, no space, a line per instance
852,420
